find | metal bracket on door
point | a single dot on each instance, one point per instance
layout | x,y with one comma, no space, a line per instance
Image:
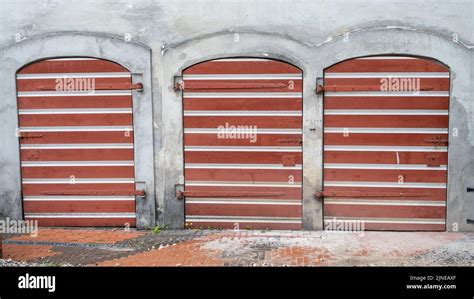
322,88
181,85
102,86
140,193
181,194
360,194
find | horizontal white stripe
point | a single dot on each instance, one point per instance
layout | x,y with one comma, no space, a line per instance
80,215
242,60
384,112
75,163
371,202
293,149
387,75
276,202
244,131
386,94
92,93
76,111
78,198
79,181
387,130
77,129
72,59
79,146
385,58
239,166
369,148
386,220
243,77
384,185
242,184
241,113
242,95
73,75
233,219
382,166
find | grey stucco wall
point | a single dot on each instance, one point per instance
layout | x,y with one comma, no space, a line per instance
176,34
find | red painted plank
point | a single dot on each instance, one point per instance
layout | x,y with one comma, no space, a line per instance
383,175
386,103
96,206
254,175
393,84
403,227
75,102
387,65
81,137
72,66
66,84
287,192
242,104
78,172
262,140
386,121
40,189
434,194
242,67
256,210
384,211
380,139
85,222
290,85
81,155
293,122
116,119
240,157
382,157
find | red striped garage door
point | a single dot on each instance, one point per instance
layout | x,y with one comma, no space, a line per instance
385,143
242,137
76,142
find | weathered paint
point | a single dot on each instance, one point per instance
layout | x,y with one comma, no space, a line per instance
251,124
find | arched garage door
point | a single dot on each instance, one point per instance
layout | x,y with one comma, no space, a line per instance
242,138
76,142
385,143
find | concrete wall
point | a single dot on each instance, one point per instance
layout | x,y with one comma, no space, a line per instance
310,34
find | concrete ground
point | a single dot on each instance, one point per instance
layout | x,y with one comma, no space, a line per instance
112,247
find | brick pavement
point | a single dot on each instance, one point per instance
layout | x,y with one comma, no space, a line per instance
108,247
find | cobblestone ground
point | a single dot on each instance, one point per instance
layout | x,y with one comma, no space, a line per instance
109,247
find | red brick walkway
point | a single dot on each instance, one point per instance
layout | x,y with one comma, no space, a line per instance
95,247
